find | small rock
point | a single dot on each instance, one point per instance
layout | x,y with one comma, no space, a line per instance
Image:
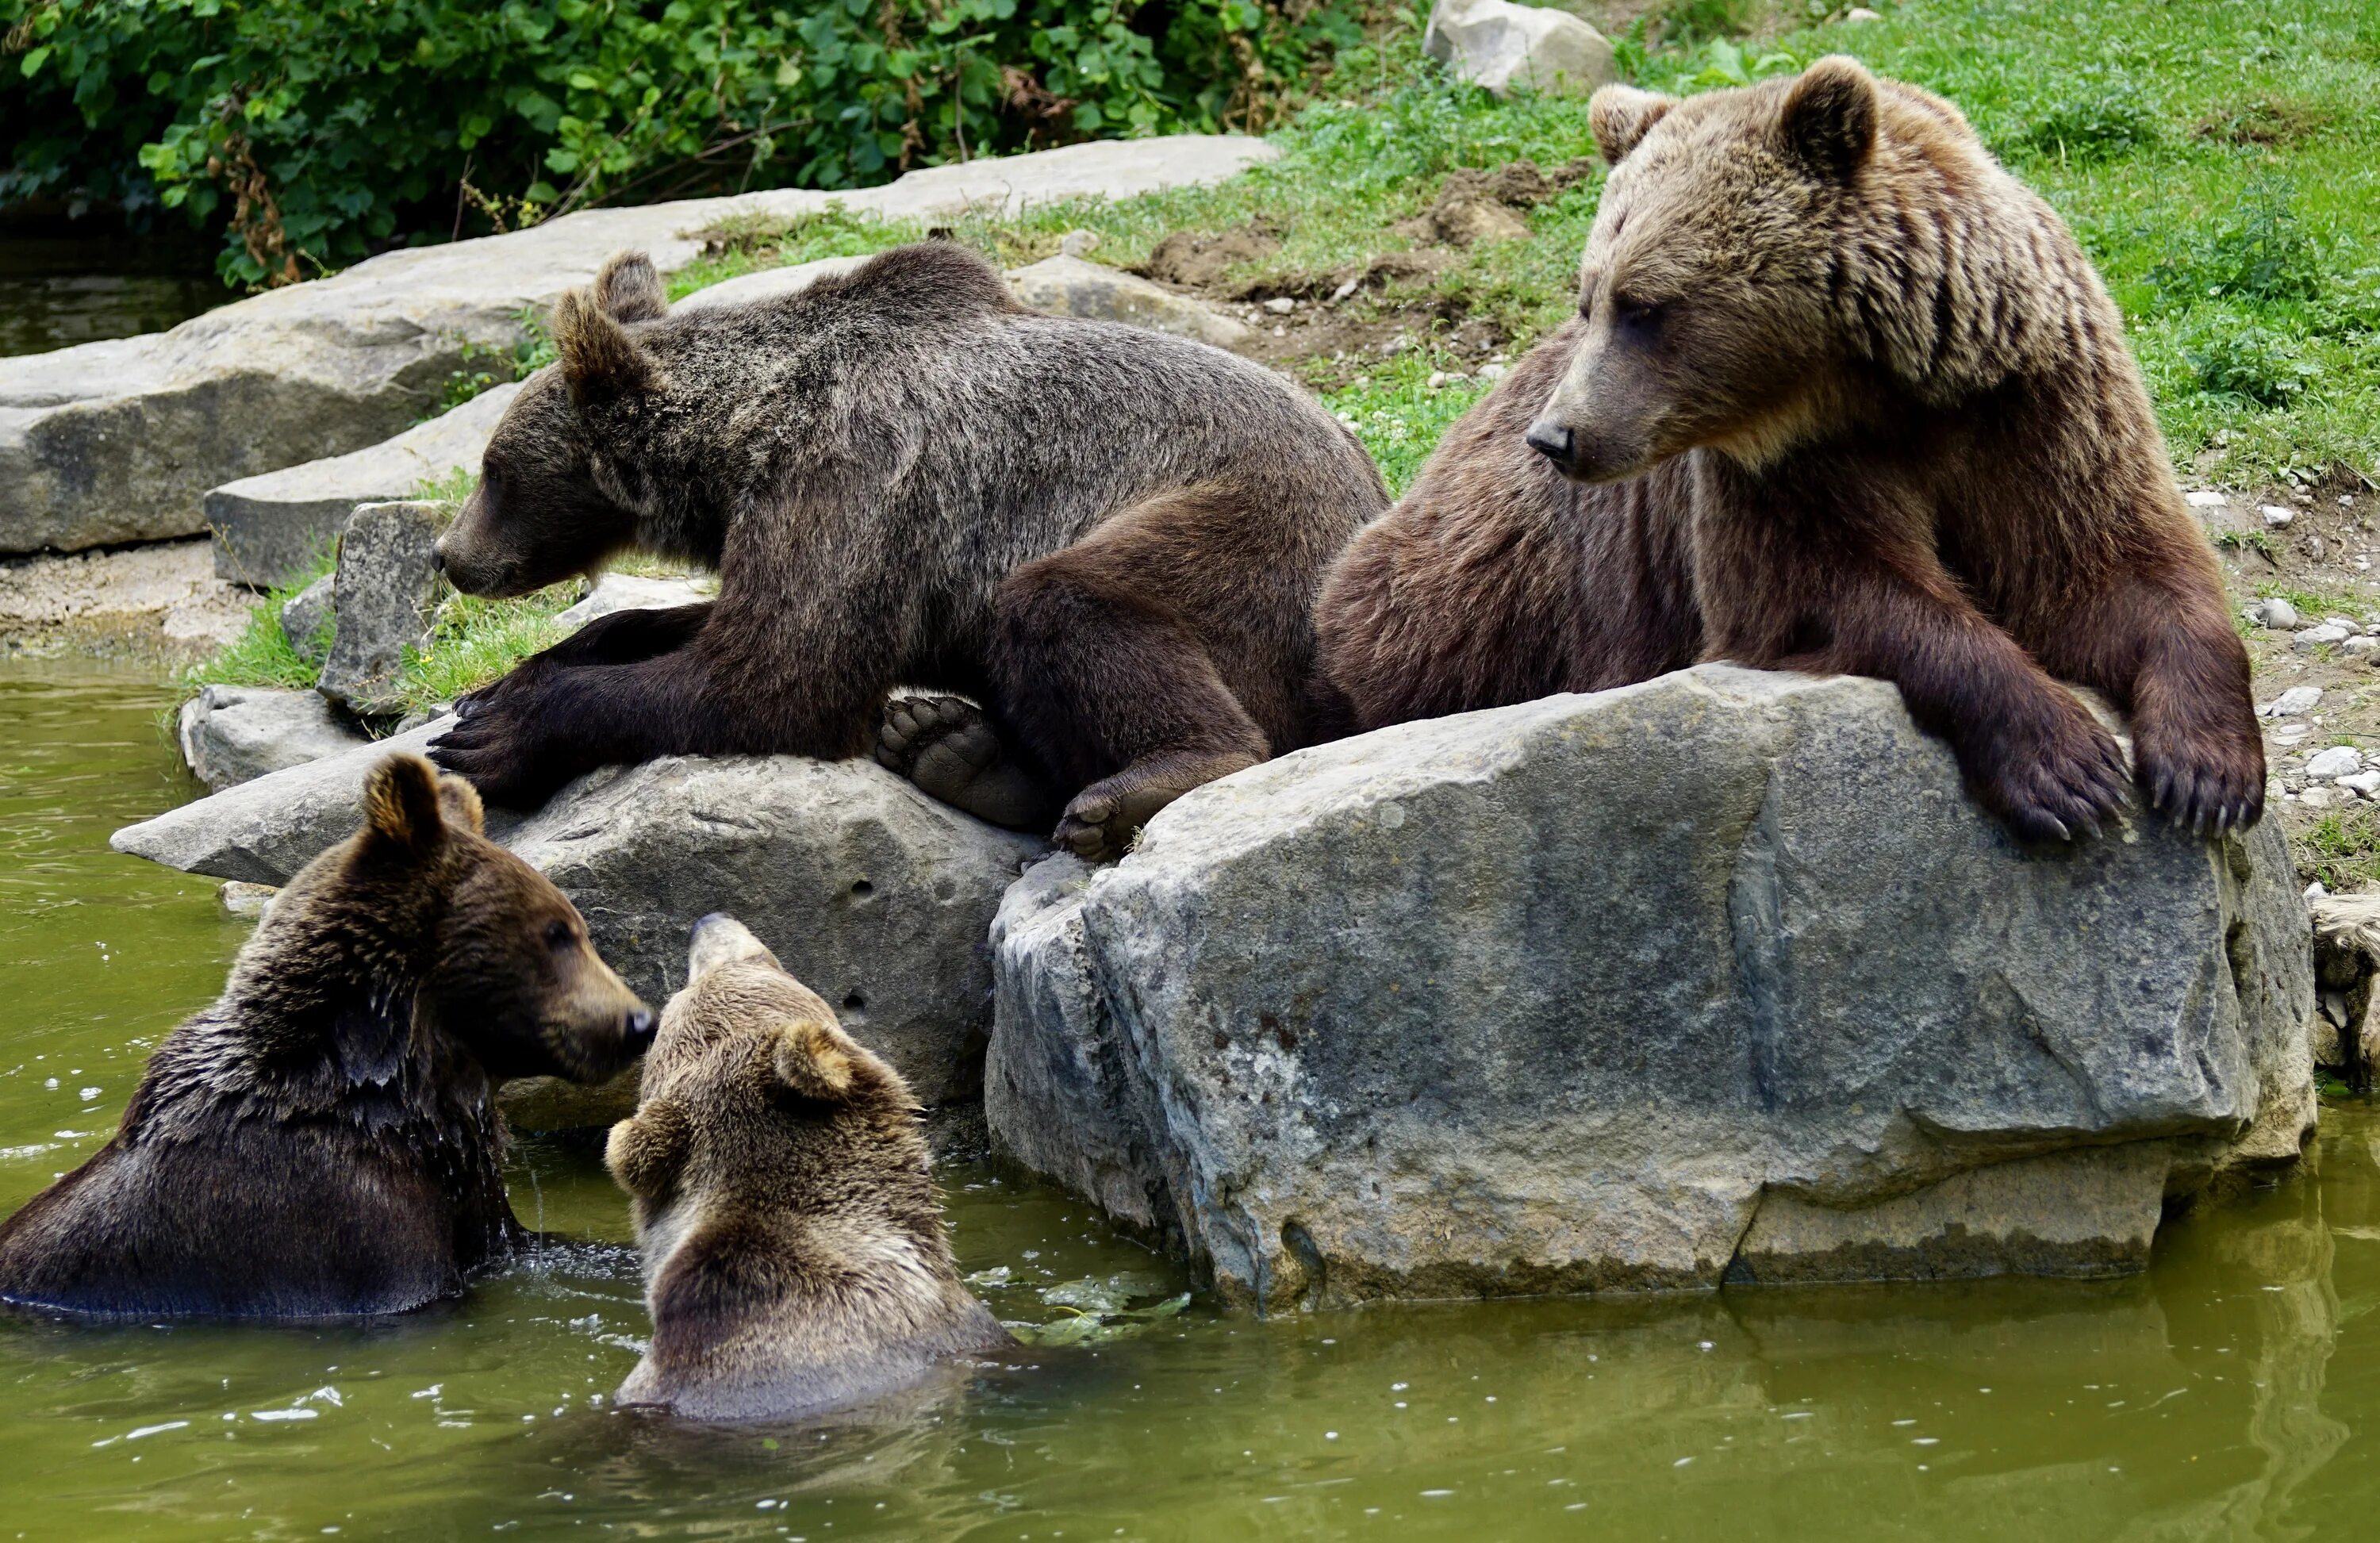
2317,797
2347,624
1070,286
420,716
1346,289
1438,378
2357,648
2279,615
306,620
2337,762
2364,785
1494,371
1078,243
231,733
386,592
2319,637
2290,703
1861,13
246,901
1281,305
1467,221
1497,45
2314,891
627,592
2206,498
2276,515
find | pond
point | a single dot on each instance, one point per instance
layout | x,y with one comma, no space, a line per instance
2231,1393
58,290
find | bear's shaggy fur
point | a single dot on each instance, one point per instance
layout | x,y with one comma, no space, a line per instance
1111,537
795,1259
323,1141
1877,387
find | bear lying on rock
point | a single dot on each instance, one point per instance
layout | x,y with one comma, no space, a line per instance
794,1257
1110,538
323,1141
1844,397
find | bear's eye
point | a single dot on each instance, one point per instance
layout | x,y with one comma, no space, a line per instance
1635,319
557,935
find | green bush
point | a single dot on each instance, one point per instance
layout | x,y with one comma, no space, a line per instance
314,132
2260,252
2239,359
2097,119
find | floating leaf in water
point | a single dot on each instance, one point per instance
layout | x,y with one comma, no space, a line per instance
1086,1296
996,1276
1156,1310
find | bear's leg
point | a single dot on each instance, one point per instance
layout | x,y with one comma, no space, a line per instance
2164,651
1850,583
1111,684
622,638
954,751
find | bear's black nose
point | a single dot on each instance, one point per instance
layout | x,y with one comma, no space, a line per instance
640,1029
1555,445
437,560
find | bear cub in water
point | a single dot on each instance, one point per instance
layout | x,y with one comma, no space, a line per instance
794,1258
323,1141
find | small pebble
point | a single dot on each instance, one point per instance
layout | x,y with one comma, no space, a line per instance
2206,498
1861,13
2315,797
2275,515
2319,637
2279,615
1281,305
2364,785
2340,760
1493,372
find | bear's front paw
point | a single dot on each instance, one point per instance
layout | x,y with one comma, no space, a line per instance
507,753
2203,780
2056,776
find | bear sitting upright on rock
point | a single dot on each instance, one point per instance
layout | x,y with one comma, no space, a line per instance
1111,537
1843,396
795,1259
323,1140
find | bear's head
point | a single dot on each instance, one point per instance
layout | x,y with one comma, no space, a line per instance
1711,293
501,957
775,1030
550,504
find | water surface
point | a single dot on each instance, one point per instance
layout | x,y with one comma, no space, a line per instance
2230,1393
57,291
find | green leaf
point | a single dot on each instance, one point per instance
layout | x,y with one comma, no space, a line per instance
34,57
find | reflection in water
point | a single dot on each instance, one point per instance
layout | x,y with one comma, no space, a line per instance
57,291
2226,1394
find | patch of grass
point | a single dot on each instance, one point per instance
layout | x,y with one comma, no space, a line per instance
2095,115
264,654
2341,850
1399,415
472,642
2256,540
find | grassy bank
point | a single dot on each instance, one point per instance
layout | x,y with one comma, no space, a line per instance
2220,163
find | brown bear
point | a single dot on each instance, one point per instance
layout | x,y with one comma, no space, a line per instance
323,1141
794,1258
1110,538
1842,395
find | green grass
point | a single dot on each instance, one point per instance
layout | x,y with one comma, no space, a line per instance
472,642
2220,163
264,653
2341,850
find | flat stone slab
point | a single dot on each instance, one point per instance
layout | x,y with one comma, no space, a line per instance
235,733
877,896
1720,976
1071,286
119,441
269,529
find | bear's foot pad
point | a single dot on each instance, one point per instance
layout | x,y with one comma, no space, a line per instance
948,747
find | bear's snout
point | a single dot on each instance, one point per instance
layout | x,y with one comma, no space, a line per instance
1556,442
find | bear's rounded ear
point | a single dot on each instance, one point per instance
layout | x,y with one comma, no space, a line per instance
809,1060
601,362
629,289
1830,116
1621,116
401,804
460,802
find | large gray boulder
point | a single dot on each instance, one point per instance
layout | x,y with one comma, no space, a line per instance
875,895
119,441
235,733
383,597
1498,46
271,528
1718,977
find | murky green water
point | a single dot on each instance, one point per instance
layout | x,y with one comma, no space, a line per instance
2232,1392
58,290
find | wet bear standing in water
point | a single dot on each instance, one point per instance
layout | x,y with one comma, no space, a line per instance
323,1141
795,1259
1110,538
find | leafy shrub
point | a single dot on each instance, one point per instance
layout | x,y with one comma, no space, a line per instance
2247,362
2259,252
316,131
